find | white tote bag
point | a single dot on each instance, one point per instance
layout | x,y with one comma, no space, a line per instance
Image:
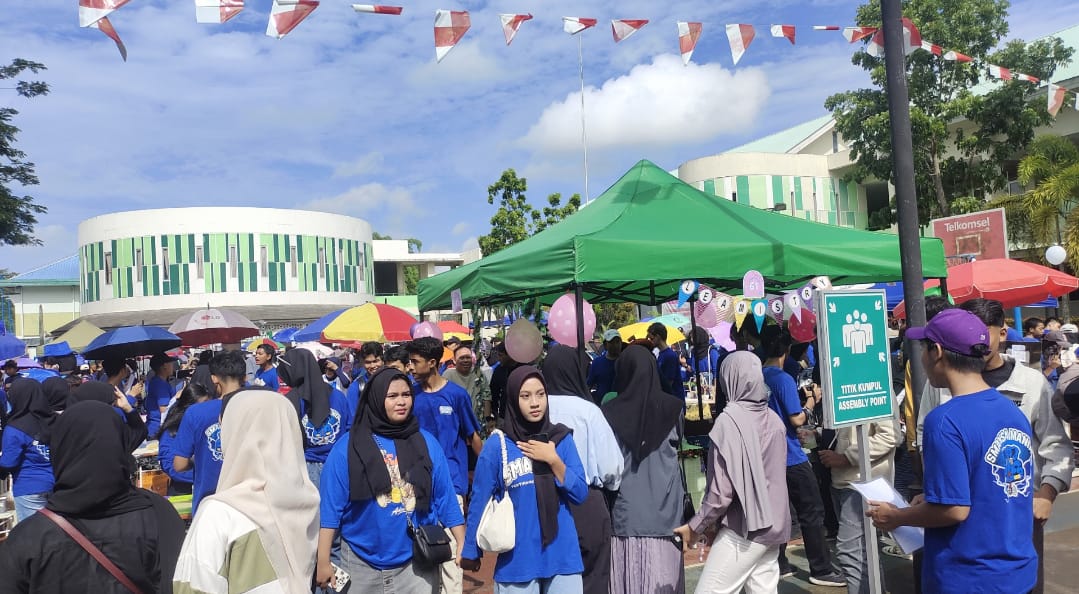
497,532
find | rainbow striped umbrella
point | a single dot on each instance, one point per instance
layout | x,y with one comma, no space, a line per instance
370,321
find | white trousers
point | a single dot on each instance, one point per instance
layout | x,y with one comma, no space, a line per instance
735,563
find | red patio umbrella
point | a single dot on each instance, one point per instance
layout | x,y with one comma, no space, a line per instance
1012,282
209,326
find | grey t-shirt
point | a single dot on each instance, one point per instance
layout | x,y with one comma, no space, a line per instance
649,501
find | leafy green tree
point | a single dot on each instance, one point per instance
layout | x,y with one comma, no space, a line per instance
516,218
411,273
18,214
614,315
951,161
1051,205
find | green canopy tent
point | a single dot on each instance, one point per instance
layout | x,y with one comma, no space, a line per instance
650,231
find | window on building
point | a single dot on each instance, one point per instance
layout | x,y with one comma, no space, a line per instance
108,268
198,262
292,258
138,265
322,262
835,141
165,263
341,263
233,262
264,265
734,196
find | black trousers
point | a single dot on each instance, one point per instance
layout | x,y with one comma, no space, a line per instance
593,521
809,508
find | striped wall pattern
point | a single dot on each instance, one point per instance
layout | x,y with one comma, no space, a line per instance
821,199
157,265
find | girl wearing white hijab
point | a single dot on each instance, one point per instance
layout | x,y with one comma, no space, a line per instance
747,487
259,532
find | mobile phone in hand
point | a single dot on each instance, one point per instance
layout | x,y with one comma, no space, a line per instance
340,579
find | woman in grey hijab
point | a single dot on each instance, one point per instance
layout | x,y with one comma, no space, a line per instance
747,487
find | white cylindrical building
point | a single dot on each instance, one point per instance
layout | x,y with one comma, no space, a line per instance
269,263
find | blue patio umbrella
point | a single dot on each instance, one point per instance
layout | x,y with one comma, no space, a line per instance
11,347
131,341
285,335
313,332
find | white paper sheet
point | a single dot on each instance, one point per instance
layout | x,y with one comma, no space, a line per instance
910,539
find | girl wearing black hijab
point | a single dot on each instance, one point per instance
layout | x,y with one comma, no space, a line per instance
134,430
137,530
26,447
387,473
57,393
544,475
647,422
323,411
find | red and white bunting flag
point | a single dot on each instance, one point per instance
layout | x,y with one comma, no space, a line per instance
1056,98
623,28
784,31
377,9
853,34
92,11
1027,77
217,11
932,48
511,23
912,40
450,27
739,36
825,27
688,34
574,25
955,56
106,27
285,15
998,72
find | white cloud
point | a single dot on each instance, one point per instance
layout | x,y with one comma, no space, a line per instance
362,200
364,165
659,104
459,228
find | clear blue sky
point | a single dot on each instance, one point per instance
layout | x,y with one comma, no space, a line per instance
351,114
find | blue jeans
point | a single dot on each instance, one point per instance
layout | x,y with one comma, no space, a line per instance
559,584
27,505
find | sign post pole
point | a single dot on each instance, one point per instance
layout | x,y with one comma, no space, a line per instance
856,377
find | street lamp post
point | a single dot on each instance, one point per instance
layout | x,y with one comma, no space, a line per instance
1056,255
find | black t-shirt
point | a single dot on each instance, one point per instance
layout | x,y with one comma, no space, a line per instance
998,376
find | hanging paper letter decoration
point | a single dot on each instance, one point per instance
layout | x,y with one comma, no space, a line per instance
739,36
741,310
760,310
450,27
753,285
688,34
784,31
775,308
511,23
285,15
574,25
217,11
685,291
724,307
623,28
793,301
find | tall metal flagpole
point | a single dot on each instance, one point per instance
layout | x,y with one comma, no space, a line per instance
584,134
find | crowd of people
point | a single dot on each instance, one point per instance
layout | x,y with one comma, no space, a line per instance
382,468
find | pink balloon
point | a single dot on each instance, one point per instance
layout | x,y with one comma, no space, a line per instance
562,321
426,329
523,341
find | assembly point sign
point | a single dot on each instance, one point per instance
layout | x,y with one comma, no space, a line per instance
856,370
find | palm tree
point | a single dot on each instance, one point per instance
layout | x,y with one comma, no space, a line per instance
1051,170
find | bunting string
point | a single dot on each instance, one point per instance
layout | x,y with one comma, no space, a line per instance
450,27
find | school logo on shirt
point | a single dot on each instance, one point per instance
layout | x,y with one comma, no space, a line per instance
42,449
1011,462
213,441
517,468
445,410
327,433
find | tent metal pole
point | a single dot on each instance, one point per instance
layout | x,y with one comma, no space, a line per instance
578,299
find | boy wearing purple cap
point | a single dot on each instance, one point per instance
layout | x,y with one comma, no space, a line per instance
977,508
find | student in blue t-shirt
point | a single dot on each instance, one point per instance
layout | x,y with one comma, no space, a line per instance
198,441
159,391
544,475
387,473
26,447
670,366
180,483
371,355
266,374
802,486
978,508
601,369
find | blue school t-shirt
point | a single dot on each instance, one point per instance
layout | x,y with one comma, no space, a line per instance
199,438
158,393
783,399
166,449
670,373
977,454
28,461
529,559
447,414
601,375
377,529
268,378
318,441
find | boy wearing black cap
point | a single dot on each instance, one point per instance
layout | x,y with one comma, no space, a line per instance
977,509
